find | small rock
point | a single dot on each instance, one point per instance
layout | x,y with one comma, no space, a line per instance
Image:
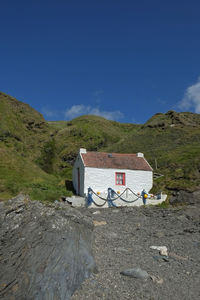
121,249
96,212
159,234
135,273
165,258
99,223
20,210
157,280
162,250
188,273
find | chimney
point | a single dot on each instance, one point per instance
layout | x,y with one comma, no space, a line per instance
82,150
139,154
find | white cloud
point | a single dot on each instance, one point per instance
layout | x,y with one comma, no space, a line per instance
191,99
80,109
76,110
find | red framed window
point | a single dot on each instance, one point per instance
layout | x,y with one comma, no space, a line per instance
120,178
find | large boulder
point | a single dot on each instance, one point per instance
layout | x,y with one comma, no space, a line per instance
184,197
45,250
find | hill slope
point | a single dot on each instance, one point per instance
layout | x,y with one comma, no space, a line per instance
37,156
171,143
23,136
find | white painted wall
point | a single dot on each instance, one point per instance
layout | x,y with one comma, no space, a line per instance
101,179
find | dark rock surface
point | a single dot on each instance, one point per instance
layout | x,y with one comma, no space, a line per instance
45,251
123,237
184,197
135,273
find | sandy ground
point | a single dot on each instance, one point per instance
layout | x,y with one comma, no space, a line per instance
123,237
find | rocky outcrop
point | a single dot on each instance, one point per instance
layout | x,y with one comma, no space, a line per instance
184,197
45,250
173,118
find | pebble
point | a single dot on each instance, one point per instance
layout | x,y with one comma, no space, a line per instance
135,273
159,234
99,223
96,212
162,250
121,249
157,279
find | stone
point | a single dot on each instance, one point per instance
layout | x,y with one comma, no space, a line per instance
45,250
165,258
135,273
162,250
97,212
99,223
157,279
159,234
184,197
122,249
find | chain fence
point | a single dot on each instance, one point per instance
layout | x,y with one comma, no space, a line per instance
109,198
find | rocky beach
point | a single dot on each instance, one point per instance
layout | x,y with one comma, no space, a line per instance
128,267
55,251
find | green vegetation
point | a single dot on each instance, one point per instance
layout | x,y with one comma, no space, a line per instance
36,156
27,152
46,160
19,174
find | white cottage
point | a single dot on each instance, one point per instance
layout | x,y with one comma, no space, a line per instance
100,171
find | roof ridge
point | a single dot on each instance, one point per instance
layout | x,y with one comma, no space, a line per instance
110,152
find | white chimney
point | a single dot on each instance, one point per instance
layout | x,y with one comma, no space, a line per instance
82,150
139,154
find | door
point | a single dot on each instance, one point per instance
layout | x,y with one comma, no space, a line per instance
78,181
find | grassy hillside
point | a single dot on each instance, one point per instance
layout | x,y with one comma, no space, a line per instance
37,156
171,144
23,136
90,132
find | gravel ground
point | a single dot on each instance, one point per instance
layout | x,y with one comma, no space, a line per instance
123,237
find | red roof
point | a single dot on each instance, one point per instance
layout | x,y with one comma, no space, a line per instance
105,160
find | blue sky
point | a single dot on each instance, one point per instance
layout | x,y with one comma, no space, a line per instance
124,60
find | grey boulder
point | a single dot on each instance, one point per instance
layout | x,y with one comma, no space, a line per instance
45,250
135,273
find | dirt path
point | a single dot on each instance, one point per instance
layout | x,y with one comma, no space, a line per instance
123,238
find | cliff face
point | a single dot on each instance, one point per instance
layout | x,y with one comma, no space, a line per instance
45,250
172,119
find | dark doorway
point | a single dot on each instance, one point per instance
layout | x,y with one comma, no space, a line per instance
78,176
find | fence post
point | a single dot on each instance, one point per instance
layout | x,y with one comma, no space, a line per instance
144,197
89,197
110,202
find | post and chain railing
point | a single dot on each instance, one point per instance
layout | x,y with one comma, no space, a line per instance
110,199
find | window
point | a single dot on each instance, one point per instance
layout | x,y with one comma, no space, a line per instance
120,178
